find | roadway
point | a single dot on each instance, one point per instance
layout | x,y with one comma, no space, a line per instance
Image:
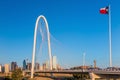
76,71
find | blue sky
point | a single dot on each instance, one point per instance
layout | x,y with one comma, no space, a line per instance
76,24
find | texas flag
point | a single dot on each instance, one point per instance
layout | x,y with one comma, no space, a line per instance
104,10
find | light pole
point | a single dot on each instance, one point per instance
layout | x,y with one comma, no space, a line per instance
83,60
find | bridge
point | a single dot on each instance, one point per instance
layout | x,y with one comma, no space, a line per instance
92,73
110,74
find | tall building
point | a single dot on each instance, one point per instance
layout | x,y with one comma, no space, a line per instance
0,68
3,69
95,64
47,65
29,66
44,66
7,68
13,66
37,66
24,65
54,62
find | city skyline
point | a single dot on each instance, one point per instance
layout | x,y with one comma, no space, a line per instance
76,25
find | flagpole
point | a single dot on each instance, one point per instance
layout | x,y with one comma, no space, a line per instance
110,36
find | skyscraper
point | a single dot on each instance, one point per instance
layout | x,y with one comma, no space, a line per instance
44,66
37,66
54,62
24,65
13,66
0,68
28,66
94,63
7,68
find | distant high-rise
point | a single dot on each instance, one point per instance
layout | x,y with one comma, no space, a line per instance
54,62
95,64
0,68
28,66
47,65
13,66
7,68
37,66
24,65
44,66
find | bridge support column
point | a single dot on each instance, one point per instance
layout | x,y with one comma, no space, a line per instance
93,76
51,74
114,78
107,79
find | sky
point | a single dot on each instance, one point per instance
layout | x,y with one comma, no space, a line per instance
76,27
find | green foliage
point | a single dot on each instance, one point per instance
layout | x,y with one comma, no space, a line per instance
81,76
7,78
17,74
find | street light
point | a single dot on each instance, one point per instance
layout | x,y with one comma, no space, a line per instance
83,60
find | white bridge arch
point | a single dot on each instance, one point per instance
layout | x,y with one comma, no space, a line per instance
34,43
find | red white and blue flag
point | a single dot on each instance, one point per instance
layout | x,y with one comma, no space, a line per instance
104,10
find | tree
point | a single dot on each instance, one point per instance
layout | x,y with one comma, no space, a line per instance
17,74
